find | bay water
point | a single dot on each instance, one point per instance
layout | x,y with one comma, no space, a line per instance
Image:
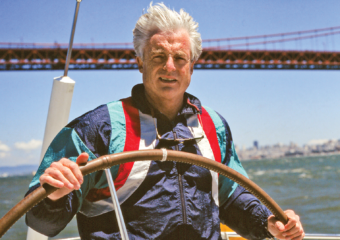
308,185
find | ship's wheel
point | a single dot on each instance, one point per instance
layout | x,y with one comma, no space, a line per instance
108,161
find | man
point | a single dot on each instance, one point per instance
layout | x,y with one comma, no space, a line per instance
159,200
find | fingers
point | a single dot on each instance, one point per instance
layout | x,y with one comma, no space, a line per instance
82,159
293,229
275,226
293,219
73,171
45,178
297,236
65,173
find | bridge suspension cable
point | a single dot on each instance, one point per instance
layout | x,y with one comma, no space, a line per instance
274,41
268,39
272,35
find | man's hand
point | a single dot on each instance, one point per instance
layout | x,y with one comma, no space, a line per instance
64,174
292,230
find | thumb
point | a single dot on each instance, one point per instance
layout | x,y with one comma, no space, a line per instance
279,225
82,159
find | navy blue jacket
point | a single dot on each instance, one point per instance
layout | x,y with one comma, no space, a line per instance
159,200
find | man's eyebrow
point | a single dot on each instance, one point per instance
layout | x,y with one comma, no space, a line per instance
180,53
156,51
162,51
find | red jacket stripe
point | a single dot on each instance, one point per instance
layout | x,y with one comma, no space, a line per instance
210,131
132,139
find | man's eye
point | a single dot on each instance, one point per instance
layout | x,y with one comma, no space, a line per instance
181,59
158,58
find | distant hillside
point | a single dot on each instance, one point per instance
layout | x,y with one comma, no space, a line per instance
18,170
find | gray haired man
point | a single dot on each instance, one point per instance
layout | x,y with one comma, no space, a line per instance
159,200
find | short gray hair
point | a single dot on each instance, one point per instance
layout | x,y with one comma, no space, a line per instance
159,18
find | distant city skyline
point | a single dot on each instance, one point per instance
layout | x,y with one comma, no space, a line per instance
314,148
312,142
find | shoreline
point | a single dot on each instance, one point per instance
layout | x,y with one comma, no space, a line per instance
297,157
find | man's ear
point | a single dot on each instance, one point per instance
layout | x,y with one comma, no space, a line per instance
140,64
192,67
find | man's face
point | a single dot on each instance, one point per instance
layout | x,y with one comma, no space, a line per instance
167,67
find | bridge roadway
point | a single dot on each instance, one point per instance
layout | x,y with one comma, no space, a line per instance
53,58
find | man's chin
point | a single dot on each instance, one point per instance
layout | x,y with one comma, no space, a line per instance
169,92
171,97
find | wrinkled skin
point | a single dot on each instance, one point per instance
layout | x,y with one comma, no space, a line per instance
167,56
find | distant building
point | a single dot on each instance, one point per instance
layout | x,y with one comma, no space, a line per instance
256,144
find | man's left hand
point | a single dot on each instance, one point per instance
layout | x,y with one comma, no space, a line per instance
292,230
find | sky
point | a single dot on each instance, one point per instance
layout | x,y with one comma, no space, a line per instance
270,106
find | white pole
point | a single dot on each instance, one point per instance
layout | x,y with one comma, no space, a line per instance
59,110
116,205
57,118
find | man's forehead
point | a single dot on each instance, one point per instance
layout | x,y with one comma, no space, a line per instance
157,50
163,39
160,50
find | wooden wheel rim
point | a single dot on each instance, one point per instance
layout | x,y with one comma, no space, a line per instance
108,161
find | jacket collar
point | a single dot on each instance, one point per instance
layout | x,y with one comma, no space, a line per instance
191,104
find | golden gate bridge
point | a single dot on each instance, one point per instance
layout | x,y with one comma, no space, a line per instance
314,50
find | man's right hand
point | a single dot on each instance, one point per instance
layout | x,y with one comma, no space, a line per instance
65,175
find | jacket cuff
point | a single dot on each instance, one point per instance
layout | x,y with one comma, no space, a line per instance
49,204
267,234
58,205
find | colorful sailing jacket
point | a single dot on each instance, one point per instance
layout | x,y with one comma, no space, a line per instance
159,200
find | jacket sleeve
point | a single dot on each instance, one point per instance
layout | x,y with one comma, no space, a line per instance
239,209
245,214
84,134
49,217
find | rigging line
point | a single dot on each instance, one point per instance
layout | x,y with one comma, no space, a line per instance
274,41
333,45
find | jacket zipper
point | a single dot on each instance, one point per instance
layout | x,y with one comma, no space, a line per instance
180,181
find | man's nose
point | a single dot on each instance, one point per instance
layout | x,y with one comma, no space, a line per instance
170,64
